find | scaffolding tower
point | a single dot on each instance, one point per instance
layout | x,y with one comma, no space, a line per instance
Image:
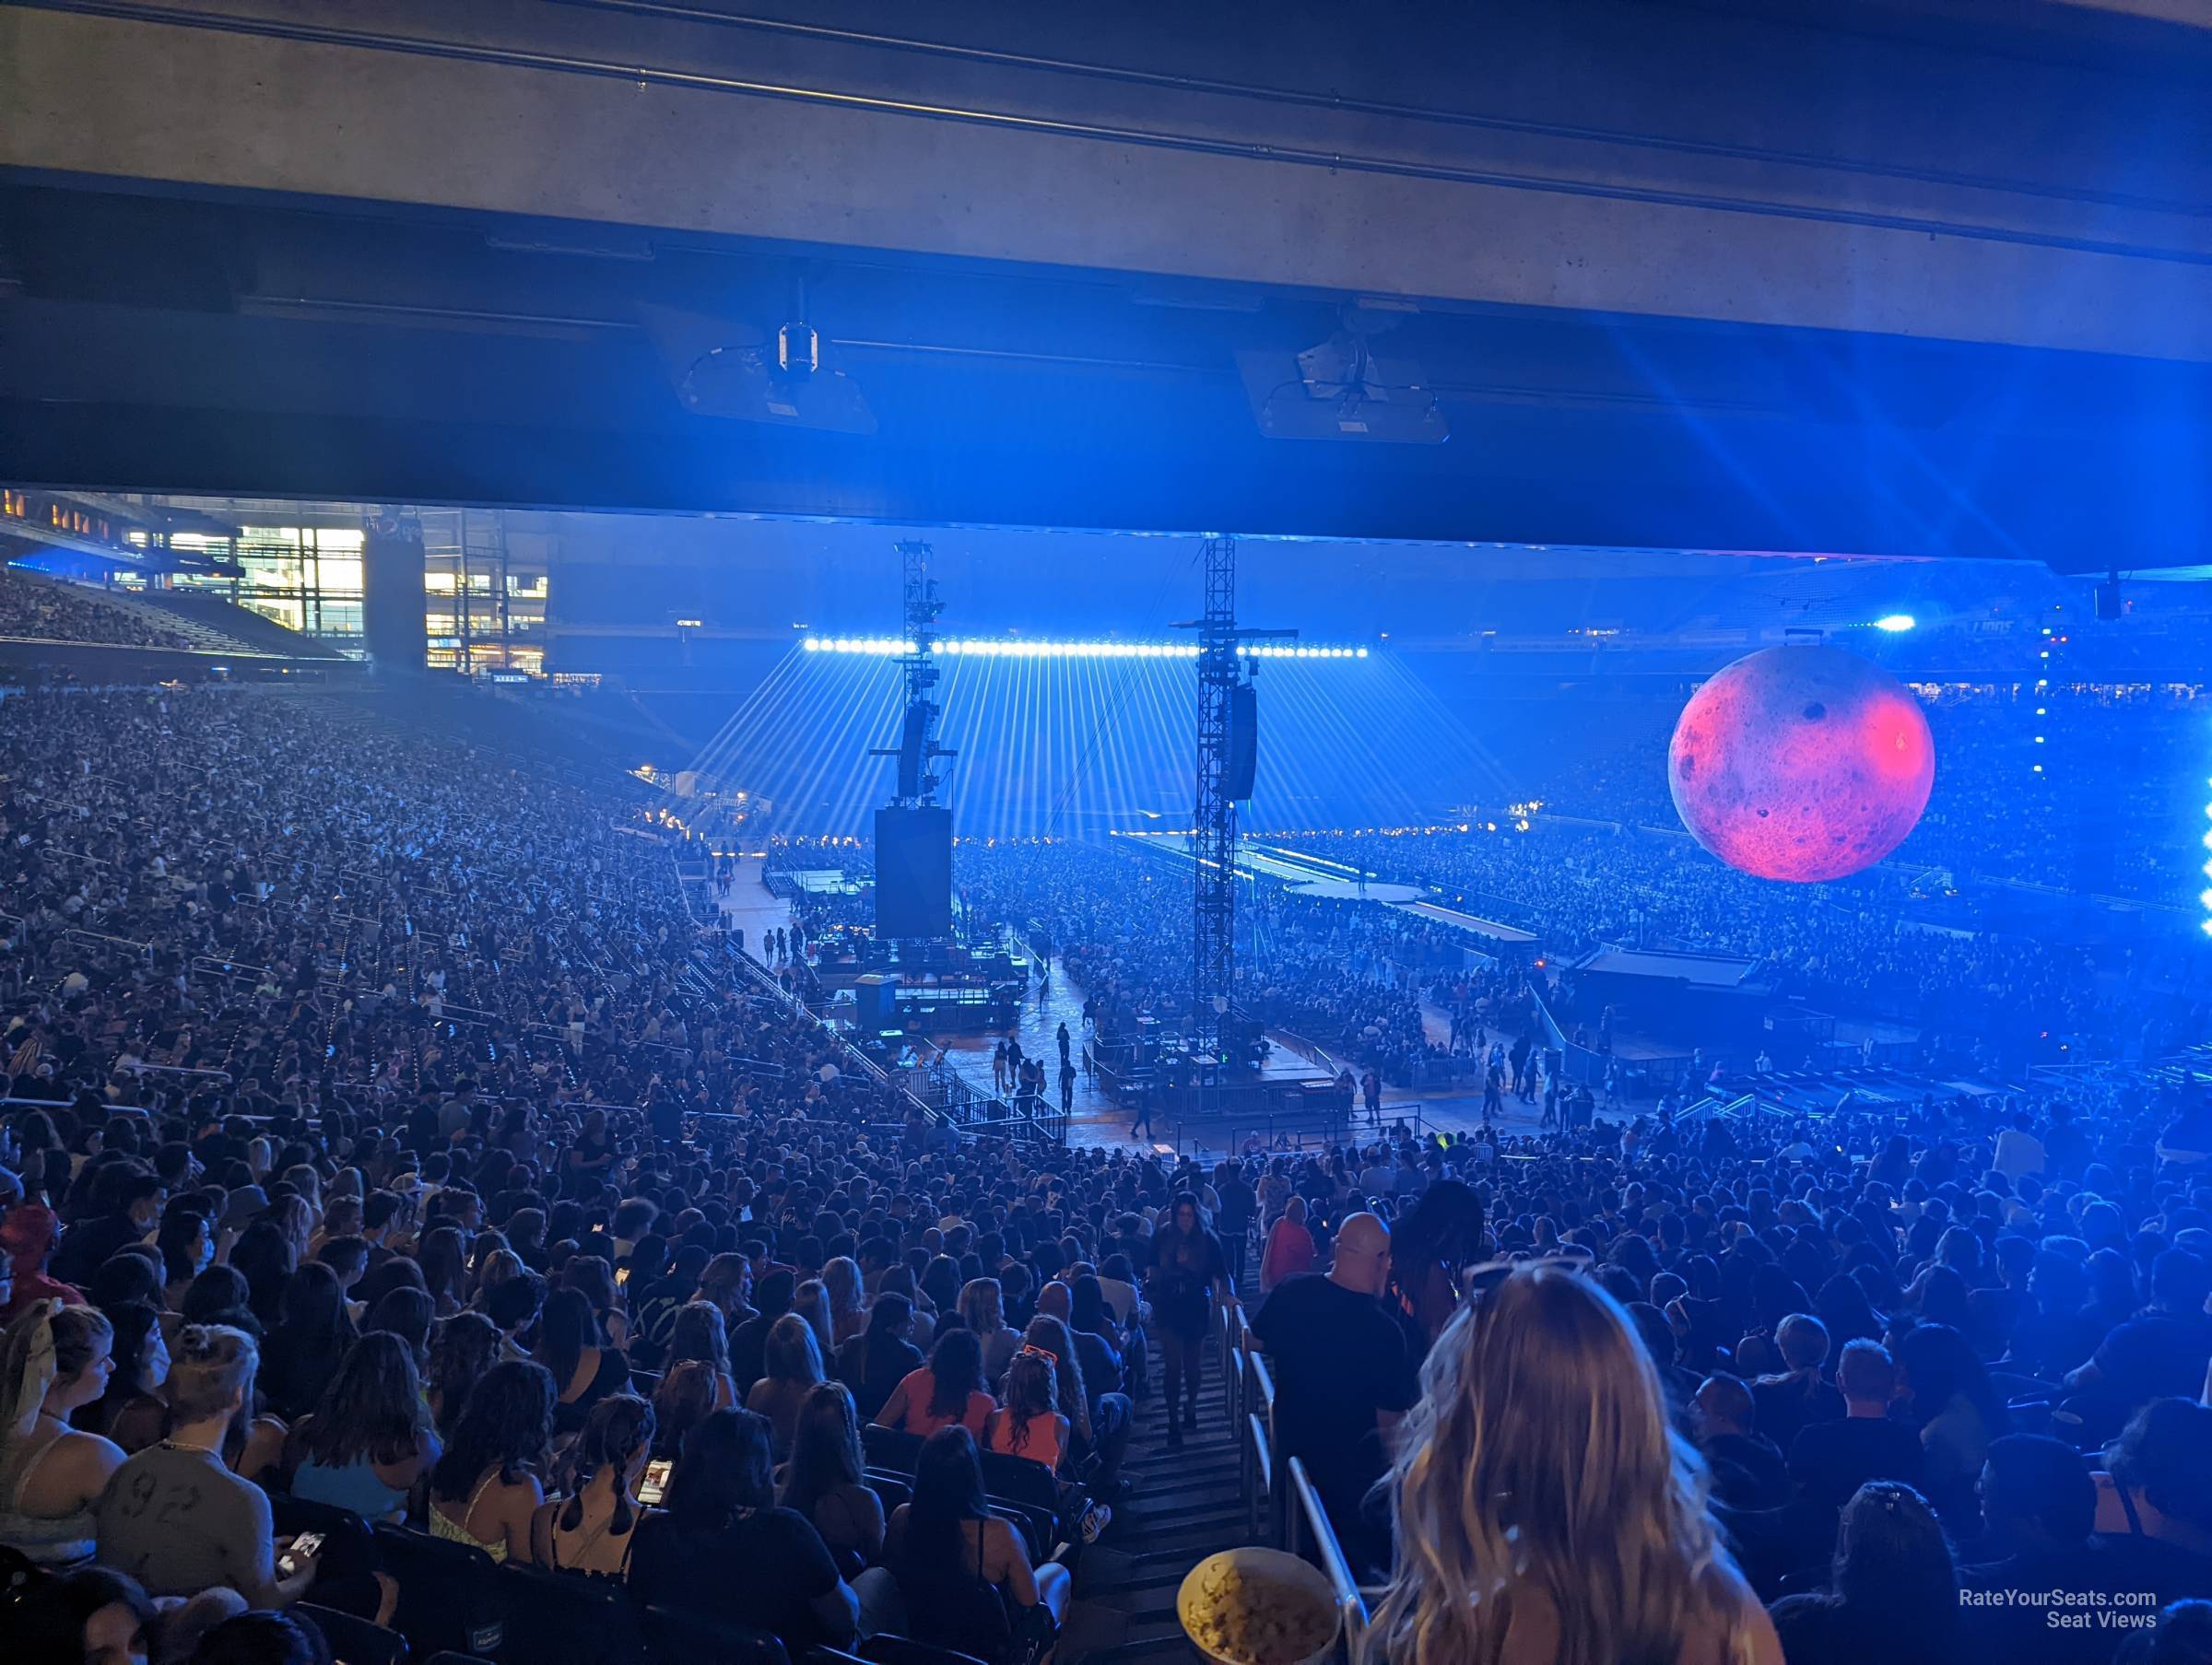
1223,668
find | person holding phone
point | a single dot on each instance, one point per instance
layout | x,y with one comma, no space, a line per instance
174,1517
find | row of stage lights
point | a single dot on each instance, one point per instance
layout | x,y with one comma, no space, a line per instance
2205,898
883,647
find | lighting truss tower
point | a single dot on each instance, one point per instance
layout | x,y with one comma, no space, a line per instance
918,750
1222,670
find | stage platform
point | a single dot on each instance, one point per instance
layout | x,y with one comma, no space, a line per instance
1495,938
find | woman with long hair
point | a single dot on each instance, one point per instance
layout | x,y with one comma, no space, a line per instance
848,1298
567,1345
983,1308
875,1362
185,1241
723,1549
811,1301
315,1331
408,1313
369,1439
462,1349
1189,1276
701,1334
727,1284
948,1390
823,1479
1892,1593
794,1364
131,1412
1950,1401
444,1261
485,1488
965,1572
1030,1423
940,1287
1049,1334
1431,1247
683,1401
491,1263
595,1278
1544,1508
263,1257
593,1531
294,1218
1290,1249
53,1359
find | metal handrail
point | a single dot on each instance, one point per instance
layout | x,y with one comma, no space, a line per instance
1308,1510
1257,1475
97,936
173,1069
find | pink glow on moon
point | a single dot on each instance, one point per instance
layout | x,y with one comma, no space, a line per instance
1801,763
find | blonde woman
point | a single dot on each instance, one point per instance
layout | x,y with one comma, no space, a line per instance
794,1367
848,1301
1545,1513
812,1303
55,1359
983,1310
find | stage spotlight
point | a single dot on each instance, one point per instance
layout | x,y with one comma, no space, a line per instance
1895,623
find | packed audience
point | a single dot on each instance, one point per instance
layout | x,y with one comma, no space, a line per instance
1354,976
47,610
1920,1389
387,1147
404,1198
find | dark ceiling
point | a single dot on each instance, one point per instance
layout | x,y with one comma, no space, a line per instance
161,344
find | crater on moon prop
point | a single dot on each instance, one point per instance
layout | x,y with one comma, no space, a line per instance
1801,763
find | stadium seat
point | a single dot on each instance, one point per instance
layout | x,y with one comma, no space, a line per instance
673,1634
892,1448
355,1641
447,1602
1018,1480
546,1614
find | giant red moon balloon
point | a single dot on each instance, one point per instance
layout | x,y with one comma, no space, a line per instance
1802,764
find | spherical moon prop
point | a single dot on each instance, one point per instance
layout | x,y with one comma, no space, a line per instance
1801,763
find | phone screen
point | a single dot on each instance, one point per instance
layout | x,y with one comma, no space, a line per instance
300,1549
621,1274
654,1486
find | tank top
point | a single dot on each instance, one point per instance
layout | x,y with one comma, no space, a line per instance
44,1540
1042,1445
970,1618
354,1486
590,1550
443,1526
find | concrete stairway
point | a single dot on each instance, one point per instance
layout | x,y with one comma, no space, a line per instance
1185,1505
